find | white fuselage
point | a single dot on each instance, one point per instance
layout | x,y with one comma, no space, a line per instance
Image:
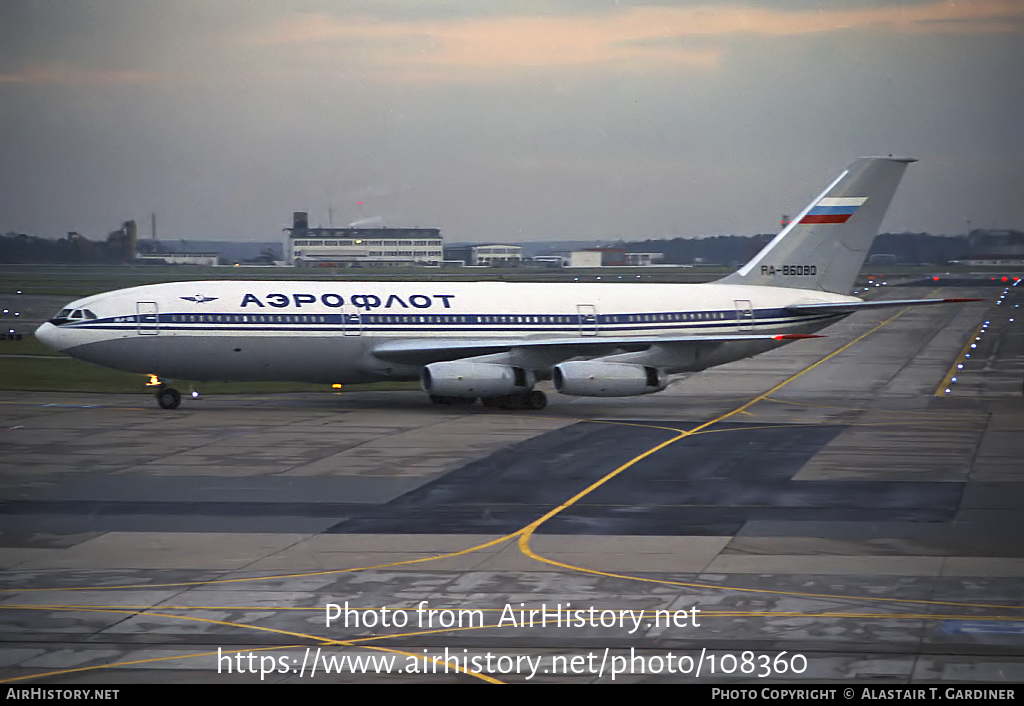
326,331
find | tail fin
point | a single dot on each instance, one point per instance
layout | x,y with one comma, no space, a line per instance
824,247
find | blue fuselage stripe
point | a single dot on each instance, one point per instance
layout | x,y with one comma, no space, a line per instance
446,323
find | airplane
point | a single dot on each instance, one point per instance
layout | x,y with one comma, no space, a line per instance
493,341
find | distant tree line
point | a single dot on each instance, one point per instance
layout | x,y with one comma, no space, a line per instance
119,247
909,248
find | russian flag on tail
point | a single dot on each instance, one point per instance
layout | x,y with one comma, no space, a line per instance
833,210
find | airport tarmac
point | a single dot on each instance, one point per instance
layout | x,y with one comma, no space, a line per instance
829,511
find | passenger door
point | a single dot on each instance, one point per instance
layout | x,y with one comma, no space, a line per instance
147,318
744,315
353,324
588,319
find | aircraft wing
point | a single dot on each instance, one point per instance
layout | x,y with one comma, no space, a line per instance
850,307
428,350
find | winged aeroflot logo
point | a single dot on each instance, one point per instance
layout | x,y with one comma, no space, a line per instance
199,299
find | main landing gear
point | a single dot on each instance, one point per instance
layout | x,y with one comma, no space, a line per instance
453,401
168,397
533,400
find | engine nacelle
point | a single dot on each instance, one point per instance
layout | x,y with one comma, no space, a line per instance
587,378
462,379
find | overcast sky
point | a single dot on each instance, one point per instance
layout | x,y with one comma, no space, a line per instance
502,119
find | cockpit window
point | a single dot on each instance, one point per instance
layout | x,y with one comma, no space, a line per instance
77,314
64,313
88,314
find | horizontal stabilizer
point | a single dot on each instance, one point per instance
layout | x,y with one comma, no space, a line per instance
415,350
850,307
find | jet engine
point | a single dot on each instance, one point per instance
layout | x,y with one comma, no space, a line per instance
467,380
587,378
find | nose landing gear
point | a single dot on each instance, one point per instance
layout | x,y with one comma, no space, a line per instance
168,397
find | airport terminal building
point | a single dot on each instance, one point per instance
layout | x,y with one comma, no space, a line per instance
355,246
485,254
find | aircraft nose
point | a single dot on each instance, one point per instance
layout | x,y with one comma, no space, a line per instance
50,336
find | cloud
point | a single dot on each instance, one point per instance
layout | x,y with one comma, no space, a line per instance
69,75
649,36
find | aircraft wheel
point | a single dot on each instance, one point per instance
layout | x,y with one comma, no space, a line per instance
531,400
444,400
536,400
168,398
